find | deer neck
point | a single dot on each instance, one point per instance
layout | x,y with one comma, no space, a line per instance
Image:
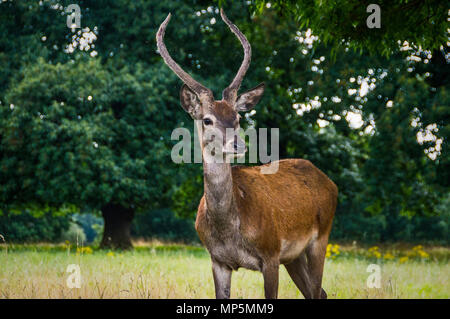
218,183
218,187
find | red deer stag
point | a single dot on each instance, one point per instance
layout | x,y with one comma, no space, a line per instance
248,219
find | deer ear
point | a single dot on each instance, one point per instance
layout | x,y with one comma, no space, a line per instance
190,101
246,101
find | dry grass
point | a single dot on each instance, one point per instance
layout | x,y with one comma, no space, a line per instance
162,271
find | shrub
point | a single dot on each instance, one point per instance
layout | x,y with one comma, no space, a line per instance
165,225
74,235
32,227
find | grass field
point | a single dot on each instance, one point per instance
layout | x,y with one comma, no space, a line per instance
174,271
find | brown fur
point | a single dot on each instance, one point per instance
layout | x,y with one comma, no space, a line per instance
225,114
288,205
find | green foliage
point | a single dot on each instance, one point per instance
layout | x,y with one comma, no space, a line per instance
186,197
378,228
79,133
422,23
163,224
47,226
91,224
74,235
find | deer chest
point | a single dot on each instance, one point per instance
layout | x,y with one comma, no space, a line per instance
232,250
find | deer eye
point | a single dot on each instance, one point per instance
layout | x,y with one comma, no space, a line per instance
207,121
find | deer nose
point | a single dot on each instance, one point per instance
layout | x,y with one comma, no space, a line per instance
235,145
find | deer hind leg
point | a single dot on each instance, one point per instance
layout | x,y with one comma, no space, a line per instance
299,272
222,280
315,253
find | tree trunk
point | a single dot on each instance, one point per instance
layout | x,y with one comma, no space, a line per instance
116,233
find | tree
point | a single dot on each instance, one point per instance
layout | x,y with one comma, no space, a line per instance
422,23
78,133
33,226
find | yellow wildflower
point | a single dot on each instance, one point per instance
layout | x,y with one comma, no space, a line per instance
373,252
388,256
403,259
332,251
423,254
335,249
85,250
417,251
110,254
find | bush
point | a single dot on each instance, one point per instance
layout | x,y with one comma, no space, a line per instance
28,227
163,224
92,226
74,235
380,228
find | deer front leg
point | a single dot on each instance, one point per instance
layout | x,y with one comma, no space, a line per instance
271,274
222,280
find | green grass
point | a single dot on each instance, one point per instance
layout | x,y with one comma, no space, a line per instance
175,271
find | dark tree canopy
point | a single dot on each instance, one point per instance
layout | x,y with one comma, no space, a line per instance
422,23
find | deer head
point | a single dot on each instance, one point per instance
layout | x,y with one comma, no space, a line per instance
215,118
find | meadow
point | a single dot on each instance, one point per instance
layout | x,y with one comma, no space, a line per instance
157,270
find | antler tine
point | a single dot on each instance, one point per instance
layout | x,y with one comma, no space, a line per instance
230,93
186,78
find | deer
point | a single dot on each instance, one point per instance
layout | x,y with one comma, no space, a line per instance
247,219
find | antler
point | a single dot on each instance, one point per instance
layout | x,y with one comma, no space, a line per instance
230,93
186,78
